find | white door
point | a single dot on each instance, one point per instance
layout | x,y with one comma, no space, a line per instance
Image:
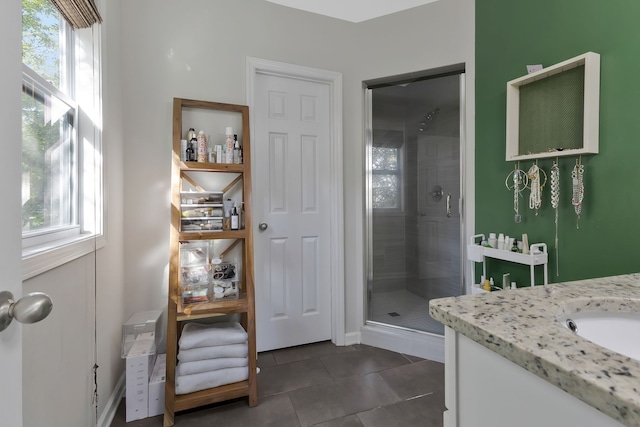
10,169
291,196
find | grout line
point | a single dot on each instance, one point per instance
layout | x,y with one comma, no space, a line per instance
407,357
419,396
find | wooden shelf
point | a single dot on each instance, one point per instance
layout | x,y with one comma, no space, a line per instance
209,235
197,176
211,167
212,395
209,309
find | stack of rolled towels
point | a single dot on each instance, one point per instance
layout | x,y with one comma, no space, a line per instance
211,355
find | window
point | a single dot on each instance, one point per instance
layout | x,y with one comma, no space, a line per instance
61,166
386,177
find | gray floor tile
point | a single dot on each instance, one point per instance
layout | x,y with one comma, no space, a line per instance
348,421
415,379
309,351
291,376
266,359
368,390
362,362
271,411
337,399
425,411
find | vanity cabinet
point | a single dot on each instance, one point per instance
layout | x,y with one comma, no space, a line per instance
199,235
482,389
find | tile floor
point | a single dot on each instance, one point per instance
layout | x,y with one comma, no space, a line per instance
327,386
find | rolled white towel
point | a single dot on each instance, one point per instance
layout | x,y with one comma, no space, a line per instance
195,367
196,335
192,383
215,352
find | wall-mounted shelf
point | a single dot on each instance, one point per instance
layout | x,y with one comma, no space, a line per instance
555,112
538,256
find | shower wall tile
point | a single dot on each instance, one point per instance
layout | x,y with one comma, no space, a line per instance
388,246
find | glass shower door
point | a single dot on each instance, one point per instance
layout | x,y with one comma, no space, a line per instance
414,187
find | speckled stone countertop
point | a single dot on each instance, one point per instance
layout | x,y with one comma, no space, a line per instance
522,325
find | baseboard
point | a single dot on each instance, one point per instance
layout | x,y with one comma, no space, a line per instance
109,411
424,345
352,338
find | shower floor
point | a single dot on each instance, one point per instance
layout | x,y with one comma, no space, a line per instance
405,309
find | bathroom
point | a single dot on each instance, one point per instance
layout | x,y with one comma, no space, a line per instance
145,66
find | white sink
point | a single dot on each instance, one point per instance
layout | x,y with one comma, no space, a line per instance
616,331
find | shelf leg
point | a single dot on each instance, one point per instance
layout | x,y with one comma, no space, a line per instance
533,275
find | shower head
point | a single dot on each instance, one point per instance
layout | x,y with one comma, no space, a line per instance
429,117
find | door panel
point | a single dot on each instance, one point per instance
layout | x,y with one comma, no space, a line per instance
291,196
10,214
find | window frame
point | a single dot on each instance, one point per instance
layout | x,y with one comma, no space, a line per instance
48,249
399,173
31,80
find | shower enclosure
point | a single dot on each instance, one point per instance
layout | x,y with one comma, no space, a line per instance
413,193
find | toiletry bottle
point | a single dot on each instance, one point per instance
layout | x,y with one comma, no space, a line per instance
202,147
514,246
235,219
513,285
236,150
486,286
191,133
191,154
525,244
501,241
491,283
492,240
227,208
228,143
506,278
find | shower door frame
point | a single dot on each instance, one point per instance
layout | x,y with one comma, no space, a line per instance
368,155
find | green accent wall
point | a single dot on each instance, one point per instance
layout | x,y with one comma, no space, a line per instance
512,34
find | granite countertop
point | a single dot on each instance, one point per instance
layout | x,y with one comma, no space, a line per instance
522,325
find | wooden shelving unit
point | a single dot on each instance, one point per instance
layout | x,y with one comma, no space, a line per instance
245,304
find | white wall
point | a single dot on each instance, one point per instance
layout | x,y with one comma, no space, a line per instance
197,49
112,288
58,352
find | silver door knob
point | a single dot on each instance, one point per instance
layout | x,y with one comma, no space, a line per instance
263,226
31,308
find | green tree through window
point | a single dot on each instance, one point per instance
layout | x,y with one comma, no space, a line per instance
49,154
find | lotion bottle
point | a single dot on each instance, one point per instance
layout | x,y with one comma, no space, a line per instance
492,240
202,147
228,144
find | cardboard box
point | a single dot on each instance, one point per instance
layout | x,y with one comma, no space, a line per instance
156,386
140,361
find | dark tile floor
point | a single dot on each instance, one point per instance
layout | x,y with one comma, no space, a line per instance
327,386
